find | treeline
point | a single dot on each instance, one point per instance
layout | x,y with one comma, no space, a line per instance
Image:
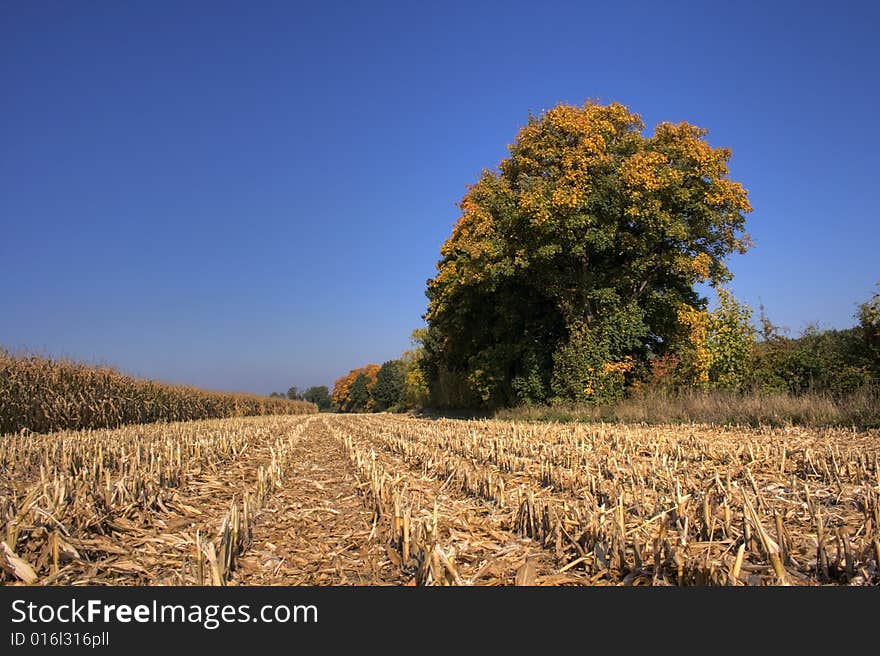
571,277
734,372
43,395
571,280
726,351
727,364
732,368
394,386
317,394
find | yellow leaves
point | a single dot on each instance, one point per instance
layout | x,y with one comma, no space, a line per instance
716,197
686,145
644,175
474,241
568,197
697,323
598,381
621,367
641,170
532,199
700,266
726,193
446,271
574,164
589,390
575,137
739,192
720,339
681,132
592,121
416,387
696,320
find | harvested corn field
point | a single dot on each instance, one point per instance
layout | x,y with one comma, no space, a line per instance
386,499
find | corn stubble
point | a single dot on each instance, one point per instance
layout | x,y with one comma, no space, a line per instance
445,502
148,504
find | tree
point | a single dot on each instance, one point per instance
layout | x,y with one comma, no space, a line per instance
359,394
388,392
276,395
342,388
577,256
415,392
720,353
293,394
320,396
869,324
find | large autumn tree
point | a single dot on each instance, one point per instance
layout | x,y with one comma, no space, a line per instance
574,260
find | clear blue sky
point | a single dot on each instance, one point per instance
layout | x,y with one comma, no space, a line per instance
252,195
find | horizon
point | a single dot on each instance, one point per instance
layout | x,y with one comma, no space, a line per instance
253,199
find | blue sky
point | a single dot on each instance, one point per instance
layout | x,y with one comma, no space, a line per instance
250,195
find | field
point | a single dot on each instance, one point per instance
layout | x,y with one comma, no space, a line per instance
44,394
387,499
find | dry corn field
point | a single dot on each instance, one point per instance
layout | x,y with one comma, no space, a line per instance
41,394
385,499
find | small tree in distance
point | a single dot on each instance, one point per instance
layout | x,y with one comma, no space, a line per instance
320,396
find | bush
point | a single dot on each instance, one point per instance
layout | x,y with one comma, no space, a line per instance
860,410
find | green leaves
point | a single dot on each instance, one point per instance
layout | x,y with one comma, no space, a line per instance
388,392
320,396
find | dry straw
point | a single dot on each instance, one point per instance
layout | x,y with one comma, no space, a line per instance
443,503
665,505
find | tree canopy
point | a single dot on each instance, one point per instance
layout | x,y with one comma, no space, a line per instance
350,399
577,258
388,392
320,396
359,394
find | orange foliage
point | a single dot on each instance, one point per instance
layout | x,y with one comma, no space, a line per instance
342,386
